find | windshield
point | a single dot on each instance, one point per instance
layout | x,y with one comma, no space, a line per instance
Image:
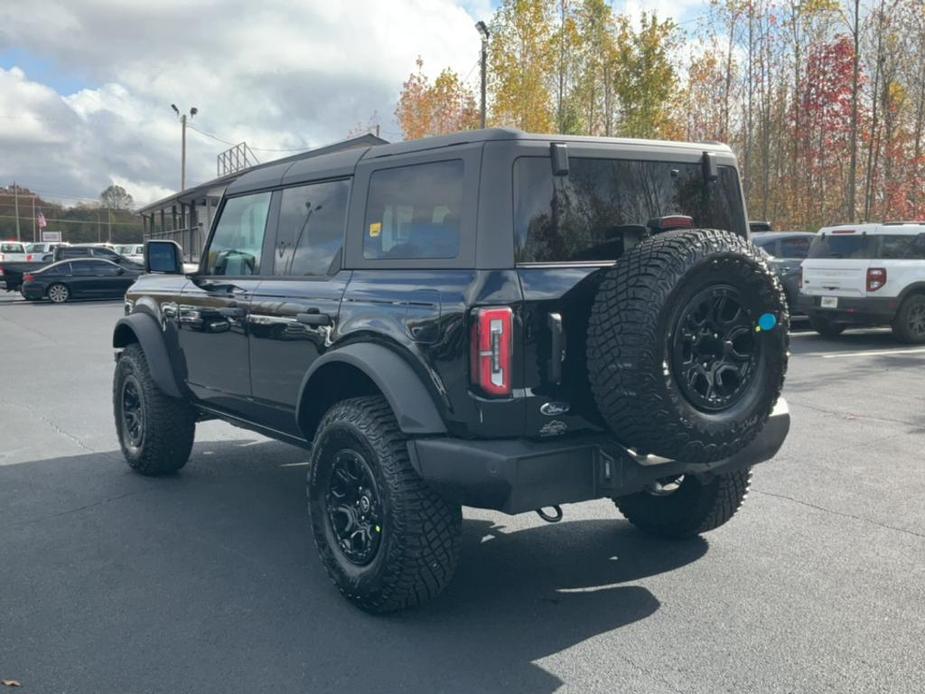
584,216
836,246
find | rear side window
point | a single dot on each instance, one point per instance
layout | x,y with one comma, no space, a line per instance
12,248
585,215
905,247
856,246
60,269
311,228
238,239
414,212
90,267
795,247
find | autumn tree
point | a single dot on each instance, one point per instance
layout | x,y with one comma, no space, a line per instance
116,198
444,106
646,81
521,58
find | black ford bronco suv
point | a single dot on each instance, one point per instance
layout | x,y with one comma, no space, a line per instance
492,319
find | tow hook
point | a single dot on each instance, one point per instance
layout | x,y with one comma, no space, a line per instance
553,517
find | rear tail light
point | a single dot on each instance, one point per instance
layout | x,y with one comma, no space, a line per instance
876,278
1,272
490,352
28,277
673,221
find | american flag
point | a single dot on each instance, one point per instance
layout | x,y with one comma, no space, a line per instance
41,221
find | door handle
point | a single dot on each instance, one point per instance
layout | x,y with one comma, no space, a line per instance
313,318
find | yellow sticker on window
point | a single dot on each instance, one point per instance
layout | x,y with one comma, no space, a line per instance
375,229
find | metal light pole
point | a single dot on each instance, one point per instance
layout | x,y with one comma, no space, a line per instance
484,33
183,117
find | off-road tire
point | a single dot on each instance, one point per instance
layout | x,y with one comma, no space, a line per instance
169,424
826,327
700,504
58,293
638,306
907,323
420,543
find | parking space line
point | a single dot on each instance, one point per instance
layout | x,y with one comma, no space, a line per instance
868,353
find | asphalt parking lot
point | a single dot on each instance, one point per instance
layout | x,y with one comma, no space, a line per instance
208,582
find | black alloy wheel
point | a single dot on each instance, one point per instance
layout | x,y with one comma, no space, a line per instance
133,413
713,348
353,507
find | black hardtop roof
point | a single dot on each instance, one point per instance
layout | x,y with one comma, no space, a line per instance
343,163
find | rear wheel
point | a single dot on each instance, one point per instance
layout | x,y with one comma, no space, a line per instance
59,293
825,327
155,430
386,539
909,324
687,505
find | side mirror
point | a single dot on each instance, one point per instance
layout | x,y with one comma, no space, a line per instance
165,257
120,271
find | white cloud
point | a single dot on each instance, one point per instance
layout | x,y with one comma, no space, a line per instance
275,73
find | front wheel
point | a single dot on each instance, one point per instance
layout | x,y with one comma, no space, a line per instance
155,430
825,327
59,293
386,539
686,505
909,324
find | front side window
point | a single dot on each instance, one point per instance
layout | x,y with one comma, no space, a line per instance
414,212
238,238
586,214
311,228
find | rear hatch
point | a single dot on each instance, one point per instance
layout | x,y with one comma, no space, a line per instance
569,227
837,264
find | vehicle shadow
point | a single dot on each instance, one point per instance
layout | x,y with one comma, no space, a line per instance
207,581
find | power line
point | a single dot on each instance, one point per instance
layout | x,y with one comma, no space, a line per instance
259,149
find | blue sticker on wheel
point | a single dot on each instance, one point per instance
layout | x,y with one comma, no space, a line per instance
767,321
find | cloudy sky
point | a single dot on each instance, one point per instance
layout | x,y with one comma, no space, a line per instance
86,85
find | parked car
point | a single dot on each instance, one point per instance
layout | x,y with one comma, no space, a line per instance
492,318
786,251
132,251
80,278
42,251
867,275
96,251
12,251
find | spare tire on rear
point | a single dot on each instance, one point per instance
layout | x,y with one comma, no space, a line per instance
687,345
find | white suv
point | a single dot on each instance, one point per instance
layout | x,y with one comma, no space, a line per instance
867,274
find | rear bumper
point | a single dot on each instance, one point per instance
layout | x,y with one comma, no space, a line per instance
32,292
860,311
516,475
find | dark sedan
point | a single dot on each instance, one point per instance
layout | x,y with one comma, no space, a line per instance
80,278
786,251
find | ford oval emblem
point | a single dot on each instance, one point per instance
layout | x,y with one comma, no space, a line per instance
554,409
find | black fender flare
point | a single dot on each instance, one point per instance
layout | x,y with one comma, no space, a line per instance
406,394
144,329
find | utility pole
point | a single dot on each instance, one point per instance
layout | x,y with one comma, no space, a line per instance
183,118
16,207
109,224
34,239
484,33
